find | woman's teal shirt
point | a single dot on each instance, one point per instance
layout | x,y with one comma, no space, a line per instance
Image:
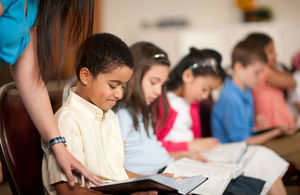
14,28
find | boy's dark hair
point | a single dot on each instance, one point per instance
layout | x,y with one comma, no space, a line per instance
205,62
261,39
247,52
145,55
101,53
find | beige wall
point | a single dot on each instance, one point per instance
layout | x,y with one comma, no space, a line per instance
124,18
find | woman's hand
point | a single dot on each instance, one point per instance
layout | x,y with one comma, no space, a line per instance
203,144
71,166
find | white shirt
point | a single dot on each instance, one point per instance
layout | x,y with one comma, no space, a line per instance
182,128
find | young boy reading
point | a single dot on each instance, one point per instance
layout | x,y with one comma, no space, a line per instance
90,129
232,117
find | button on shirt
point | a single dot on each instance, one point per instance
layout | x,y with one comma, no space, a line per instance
232,117
93,137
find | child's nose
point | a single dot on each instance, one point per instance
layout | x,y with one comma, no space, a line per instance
119,93
205,95
158,91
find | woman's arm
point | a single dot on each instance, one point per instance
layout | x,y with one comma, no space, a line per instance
36,99
1,9
280,79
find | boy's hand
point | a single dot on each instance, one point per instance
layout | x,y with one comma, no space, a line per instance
203,144
71,165
289,129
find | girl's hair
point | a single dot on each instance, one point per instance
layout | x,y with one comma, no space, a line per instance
102,53
261,39
145,55
206,62
62,25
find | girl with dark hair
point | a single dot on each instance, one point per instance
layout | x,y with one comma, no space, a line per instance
191,81
35,39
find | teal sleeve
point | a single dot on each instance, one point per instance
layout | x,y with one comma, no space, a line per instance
6,3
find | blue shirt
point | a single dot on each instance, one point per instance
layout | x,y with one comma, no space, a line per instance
15,26
143,154
232,117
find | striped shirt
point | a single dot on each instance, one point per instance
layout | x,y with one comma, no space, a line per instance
93,137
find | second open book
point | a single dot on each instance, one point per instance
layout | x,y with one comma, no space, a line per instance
223,167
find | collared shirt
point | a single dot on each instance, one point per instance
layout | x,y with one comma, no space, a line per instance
143,154
232,117
93,137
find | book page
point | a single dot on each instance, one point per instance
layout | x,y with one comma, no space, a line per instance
186,185
219,175
227,153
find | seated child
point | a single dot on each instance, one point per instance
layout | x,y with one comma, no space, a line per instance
188,84
271,108
144,154
233,113
90,128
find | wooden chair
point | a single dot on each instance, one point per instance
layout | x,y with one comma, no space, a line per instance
21,153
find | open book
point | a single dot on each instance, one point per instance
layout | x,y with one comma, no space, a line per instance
160,183
227,153
219,174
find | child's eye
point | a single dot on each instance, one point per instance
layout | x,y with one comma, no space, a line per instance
111,86
152,82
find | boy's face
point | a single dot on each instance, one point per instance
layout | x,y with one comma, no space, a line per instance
107,88
271,53
251,75
153,81
199,87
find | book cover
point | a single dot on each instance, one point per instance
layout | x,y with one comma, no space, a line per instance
161,183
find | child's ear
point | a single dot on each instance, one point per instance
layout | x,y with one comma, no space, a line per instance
237,66
85,75
187,76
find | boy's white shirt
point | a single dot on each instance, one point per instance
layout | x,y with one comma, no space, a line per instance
93,137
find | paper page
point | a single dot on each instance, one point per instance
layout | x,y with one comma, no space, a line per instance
227,153
219,175
188,184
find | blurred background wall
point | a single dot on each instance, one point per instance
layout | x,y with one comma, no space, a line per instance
216,24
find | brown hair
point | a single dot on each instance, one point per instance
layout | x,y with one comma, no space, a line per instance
247,52
145,55
261,39
61,28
